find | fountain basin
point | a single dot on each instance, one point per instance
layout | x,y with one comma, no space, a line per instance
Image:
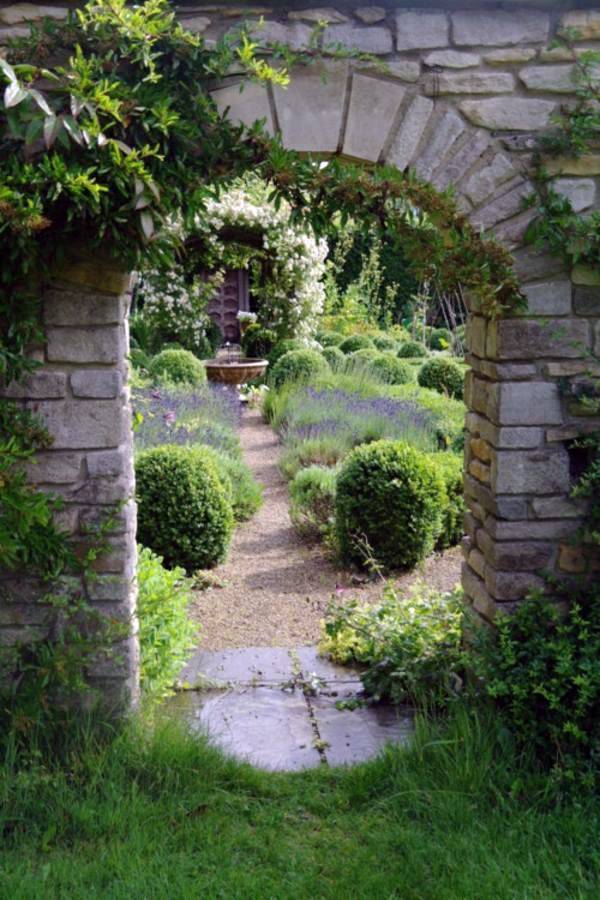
235,371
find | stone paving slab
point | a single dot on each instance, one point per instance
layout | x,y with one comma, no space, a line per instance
254,717
267,727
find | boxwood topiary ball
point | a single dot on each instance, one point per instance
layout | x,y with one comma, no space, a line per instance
334,357
258,341
385,343
298,365
283,347
329,338
178,366
412,349
441,339
184,512
392,370
389,500
356,342
442,375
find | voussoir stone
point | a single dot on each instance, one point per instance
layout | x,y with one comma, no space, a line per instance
509,113
585,22
376,39
247,107
469,83
311,108
580,192
410,132
370,14
485,182
370,114
508,204
554,79
452,59
25,12
495,28
445,133
421,30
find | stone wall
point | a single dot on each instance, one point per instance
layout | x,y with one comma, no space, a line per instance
80,393
460,100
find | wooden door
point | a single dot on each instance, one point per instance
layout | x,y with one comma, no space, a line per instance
232,297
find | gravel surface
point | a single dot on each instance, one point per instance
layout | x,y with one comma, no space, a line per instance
275,587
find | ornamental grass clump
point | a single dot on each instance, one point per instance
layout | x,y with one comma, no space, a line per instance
412,350
312,506
177,367
184,511
443,375
298,366
450,467
389,503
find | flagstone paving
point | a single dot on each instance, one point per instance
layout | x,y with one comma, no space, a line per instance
284,708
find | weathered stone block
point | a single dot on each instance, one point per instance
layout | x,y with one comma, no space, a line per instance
523,403
549,298
377,40
96,383
509,113
108,589
480,471
553,79
508,371
476,560
503,207
94,274
486,181
245,108
558,507
520,556
84,345
447,130
82,424
452,59
93,518
586,22
404,69
410,132
469,83
586,300
586,276
510,585
38,386
26,12
578,560
454,169
504,438
80,308
370,115
529,529
530,472
295,35
311,108
507,507
370,14
565,369
499,27
564,165
195,24
476,335
524,338
318,14
580,192
103,491
105,462
474,588
55,468
509,55
532,264
421,30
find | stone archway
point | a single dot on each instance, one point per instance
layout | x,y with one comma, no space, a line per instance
462,95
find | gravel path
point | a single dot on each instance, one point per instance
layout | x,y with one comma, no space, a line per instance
275,587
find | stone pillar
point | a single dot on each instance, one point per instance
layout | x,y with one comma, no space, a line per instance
524,414
80,393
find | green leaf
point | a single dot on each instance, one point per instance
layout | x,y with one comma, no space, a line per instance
52,126
14,94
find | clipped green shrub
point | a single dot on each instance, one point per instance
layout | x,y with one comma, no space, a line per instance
298,365
450,467
412,350
410,645
244,493
312,501
356,342
166,633
443,375
283,347
177,366
366,354
440,339
392,370
334,357
329,338
388,504
184,513
385,343
258,341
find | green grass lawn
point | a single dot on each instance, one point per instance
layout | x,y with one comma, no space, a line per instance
162,815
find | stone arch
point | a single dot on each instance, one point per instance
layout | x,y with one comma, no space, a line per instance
462,116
